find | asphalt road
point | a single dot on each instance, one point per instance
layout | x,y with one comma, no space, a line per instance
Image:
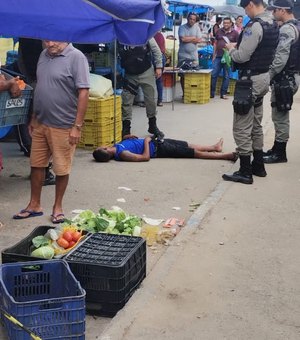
216,280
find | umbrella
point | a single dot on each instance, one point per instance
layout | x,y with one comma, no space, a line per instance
130,22
229,10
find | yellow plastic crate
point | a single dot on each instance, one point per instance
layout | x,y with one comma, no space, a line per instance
94,135
199,80
102,110
196,95
231,86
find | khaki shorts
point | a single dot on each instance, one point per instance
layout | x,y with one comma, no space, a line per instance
47,142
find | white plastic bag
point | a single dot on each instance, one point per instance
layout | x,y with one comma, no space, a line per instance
101,87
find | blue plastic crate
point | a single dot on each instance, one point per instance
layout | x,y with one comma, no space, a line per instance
45,297
11,57
14,111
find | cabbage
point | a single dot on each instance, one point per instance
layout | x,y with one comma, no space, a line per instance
45,252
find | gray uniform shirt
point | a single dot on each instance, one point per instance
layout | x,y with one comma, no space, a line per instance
188,50
58,81
252,36
288,34
156,53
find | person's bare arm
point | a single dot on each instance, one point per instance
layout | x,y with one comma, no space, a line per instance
132,157
130,136
82,103
193,40
10,85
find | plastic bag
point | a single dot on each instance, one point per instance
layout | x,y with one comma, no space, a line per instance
226,59
101,87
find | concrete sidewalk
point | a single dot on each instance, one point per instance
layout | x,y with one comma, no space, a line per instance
233,273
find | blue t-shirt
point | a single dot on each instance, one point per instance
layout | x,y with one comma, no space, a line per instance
134,145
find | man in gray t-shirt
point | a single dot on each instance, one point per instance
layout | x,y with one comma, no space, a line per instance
189,37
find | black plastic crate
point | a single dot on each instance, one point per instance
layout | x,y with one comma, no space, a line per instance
22,250
109,268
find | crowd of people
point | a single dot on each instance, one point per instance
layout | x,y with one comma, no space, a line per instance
263,52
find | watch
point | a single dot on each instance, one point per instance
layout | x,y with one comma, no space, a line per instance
78,126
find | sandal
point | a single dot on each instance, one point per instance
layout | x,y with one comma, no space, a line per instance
30,213
59,218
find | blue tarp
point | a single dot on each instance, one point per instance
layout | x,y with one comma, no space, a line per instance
131,22
181,6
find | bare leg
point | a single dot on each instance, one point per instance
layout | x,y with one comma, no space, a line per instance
60,189
216,147
231,156
37,178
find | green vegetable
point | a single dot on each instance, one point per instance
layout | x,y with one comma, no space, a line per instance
45,252
114,221
40,241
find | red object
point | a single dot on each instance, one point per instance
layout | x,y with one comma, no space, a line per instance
168,80
160,39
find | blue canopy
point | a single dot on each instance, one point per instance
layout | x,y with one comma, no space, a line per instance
130,22
180,6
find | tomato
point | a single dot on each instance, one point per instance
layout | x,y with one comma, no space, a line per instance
76,236
67,235
63,243
71,244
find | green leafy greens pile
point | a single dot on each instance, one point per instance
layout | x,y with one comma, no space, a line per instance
114,221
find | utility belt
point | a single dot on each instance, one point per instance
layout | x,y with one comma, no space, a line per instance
250,73
283,91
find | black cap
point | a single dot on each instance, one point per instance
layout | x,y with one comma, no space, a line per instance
244,3
285,4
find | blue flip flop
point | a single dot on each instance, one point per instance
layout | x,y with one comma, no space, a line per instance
30,213
59,218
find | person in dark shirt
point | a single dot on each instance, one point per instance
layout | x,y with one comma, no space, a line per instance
226,32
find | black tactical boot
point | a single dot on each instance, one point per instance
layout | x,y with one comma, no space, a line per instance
126,127
154,129
258,167
49,177
244,175
269,152
278,154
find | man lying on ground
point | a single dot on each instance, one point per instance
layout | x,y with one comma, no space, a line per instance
133,149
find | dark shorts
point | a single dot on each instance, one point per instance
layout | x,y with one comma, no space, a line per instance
172,148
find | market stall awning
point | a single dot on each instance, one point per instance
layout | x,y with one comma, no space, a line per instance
131,22
230,10
180,6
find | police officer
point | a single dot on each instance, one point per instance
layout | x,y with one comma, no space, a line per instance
252,56
284,74
139,71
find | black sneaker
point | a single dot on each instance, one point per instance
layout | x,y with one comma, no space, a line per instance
156,133
49,179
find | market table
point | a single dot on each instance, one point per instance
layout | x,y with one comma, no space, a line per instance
196,84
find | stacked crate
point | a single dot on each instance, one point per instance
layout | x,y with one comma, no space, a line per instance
101,59
102,123
196,88
169,80
231,86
